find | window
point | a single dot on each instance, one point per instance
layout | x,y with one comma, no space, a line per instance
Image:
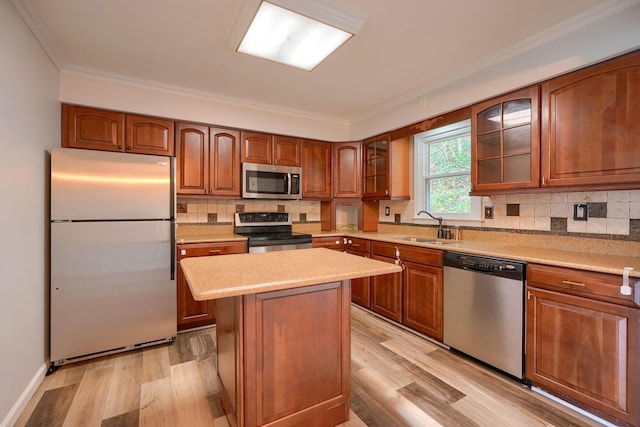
443,173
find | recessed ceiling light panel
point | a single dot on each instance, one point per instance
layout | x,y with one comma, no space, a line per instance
281,35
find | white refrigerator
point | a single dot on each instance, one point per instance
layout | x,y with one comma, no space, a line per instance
112,253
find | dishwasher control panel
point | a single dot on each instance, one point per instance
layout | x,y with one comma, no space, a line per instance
488,265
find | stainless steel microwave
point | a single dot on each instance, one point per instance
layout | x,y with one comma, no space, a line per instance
261,181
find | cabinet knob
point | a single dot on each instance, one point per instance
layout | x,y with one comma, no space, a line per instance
129,147
119,147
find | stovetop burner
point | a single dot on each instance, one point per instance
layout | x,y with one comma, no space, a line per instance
268,229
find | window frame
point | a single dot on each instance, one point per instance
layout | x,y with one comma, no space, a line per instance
421,143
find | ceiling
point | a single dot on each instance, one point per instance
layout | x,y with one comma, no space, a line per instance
405,48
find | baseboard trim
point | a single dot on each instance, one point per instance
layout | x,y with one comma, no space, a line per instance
24,398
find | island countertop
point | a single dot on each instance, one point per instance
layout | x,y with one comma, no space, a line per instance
214,277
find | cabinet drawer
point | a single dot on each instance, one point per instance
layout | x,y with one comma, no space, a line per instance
601,286
335,243
409,253
206,249
356,244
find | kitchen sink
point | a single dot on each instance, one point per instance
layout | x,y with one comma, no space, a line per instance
424,240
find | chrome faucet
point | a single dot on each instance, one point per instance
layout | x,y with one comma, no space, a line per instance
439,219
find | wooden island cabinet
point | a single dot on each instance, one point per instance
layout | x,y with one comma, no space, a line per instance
583,340
283,333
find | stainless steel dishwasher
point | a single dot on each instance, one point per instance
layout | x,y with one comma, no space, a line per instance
483,309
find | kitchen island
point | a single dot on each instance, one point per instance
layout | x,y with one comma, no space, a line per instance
283,332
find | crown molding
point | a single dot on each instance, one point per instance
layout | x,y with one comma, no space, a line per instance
40,32
590,16
197,94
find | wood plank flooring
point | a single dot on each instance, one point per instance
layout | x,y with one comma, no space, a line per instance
398,379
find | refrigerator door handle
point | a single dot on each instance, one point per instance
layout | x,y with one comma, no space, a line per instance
173,249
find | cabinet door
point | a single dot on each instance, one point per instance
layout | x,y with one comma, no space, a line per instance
375,167
590,125
286,151
422,299
92,128
361,287
505,142
585,350
386,293
224,162
148,135
316,169
192,159
192,313
346,170
257,147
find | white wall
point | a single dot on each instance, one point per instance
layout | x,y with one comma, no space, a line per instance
597,37
84,89
30,125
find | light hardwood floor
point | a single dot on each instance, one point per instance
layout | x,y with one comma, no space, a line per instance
398,379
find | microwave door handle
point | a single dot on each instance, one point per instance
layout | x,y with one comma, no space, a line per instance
288,178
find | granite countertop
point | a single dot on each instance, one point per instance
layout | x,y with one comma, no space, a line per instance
231,275
604,263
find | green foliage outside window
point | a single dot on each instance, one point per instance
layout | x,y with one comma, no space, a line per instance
448,184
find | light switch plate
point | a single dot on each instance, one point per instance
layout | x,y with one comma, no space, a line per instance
488,212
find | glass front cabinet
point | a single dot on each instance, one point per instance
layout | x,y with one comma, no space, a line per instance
505,147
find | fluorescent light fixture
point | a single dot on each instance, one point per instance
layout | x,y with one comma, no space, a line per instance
282,35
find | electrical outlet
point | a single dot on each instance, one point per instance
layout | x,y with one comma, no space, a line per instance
580,211
387,211
488,212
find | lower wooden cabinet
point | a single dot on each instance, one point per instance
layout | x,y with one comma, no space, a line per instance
386,292
192,313
335,243
423,299
580,346
361,287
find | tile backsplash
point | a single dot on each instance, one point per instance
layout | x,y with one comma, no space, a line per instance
613,213
214,211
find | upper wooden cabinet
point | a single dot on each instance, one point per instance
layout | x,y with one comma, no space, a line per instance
208,161
385,168
346,170
148,135
505,142
590,125
286,151
257,147
97,129
268,149
316,170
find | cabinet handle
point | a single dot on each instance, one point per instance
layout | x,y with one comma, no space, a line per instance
119,147
215,251
129,147
355,245
569,282
544,181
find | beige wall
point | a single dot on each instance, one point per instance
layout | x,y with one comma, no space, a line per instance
590,40
30,115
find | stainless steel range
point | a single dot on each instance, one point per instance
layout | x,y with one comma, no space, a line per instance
269,231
